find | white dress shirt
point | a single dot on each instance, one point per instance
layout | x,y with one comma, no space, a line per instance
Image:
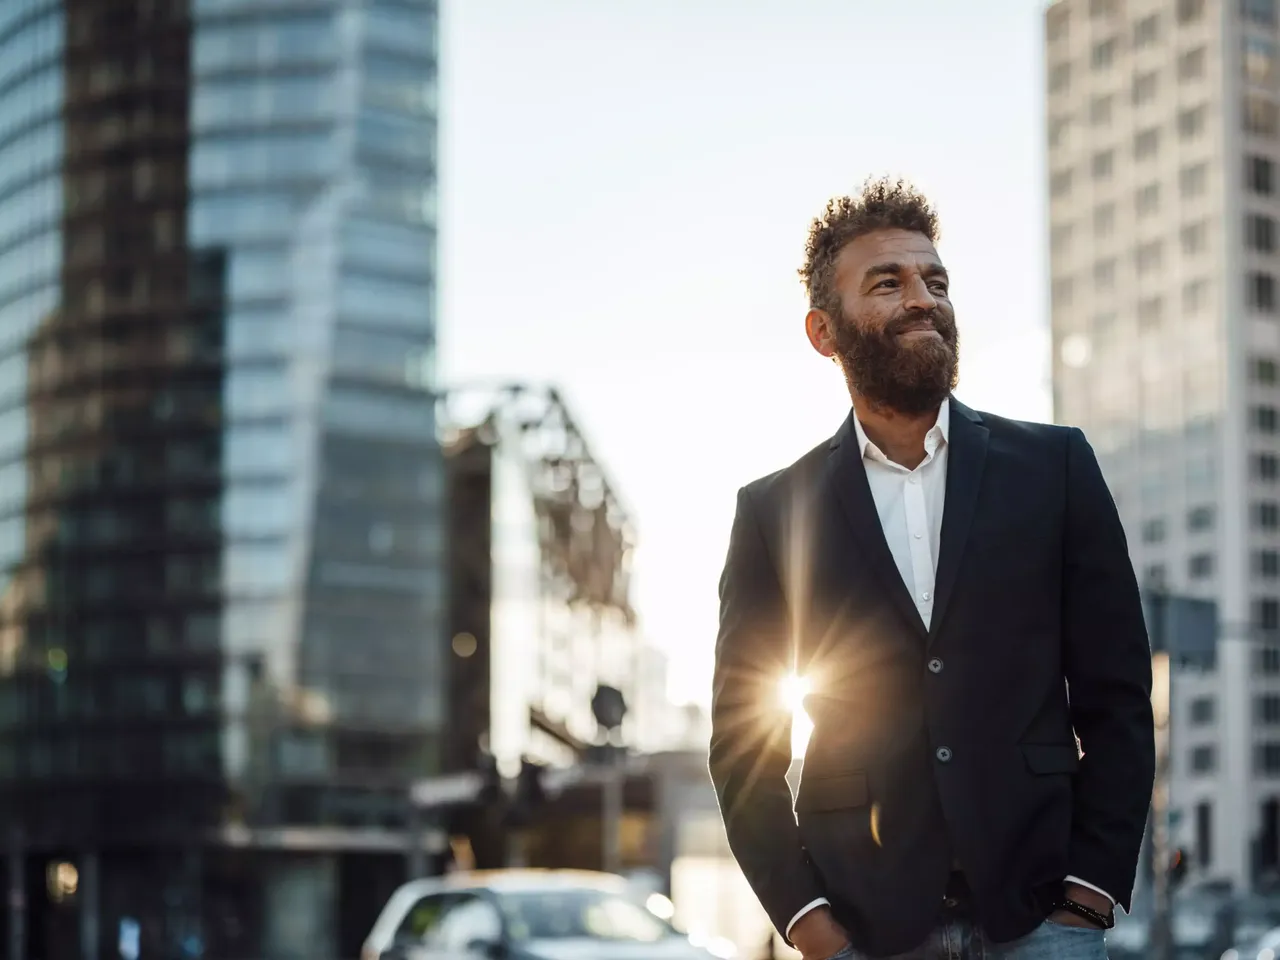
910,504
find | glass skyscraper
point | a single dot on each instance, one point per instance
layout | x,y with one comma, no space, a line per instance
220,484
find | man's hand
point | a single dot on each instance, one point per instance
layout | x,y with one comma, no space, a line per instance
817,935
1086,898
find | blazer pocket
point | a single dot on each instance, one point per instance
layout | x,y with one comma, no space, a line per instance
843,792
1051,757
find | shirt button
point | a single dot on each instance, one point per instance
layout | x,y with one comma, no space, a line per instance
912,480
925,595
943,754
919,536
935,665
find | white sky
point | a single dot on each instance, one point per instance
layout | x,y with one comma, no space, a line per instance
626,188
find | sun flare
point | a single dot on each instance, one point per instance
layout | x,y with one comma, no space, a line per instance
792,691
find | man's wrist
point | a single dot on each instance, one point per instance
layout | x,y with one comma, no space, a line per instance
1088,897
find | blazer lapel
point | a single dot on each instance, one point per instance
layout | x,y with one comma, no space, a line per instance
849,476
966,456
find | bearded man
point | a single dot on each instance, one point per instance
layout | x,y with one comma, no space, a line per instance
956,589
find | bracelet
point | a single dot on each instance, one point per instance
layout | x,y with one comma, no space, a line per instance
1100,920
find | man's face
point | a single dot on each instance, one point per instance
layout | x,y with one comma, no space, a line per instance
896,337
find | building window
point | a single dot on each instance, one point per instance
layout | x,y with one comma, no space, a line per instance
1057,24
1060,237
1200,566
1058,129
1153,531
1260,233
1193,180
1104,274
1060,183
1259,61
1195,296
1102,8
1060,78
1100,110
1062,291
1190,11
1266,564
1266,708
1202,711
1154,575
1104,220
1204,834
1263,419
1203,759
1191,64
1146,31
1266,515
1191,122
1195,238
1266,466
1266,758
1200,519
1103,164
1104,54
1148,200
1144,88
1150,312
1146,144
1268,660
1261,12
1148,256
1261,291
1260,174
1264,370
1260,116
1266,614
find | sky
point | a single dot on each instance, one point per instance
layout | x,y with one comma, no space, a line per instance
626,188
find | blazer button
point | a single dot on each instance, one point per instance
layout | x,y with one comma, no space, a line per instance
935,665
943,754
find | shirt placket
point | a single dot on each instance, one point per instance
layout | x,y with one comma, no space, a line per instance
918,540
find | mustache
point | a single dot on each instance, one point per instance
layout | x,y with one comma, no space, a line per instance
906,321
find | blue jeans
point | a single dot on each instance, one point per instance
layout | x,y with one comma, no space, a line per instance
961,940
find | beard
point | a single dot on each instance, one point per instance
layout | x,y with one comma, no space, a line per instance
910,377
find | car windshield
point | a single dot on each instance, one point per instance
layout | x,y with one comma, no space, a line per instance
580,914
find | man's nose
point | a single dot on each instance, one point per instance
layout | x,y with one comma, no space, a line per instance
918,296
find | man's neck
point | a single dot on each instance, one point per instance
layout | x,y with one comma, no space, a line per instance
899,436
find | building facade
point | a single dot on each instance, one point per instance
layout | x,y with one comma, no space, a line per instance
220,484
1164,195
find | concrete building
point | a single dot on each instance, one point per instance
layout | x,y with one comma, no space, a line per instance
1164,194
220,484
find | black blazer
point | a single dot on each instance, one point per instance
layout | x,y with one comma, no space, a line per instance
934,746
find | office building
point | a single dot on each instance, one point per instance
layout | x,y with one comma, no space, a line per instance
220,484
1162,123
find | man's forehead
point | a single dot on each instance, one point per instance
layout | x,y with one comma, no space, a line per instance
907,247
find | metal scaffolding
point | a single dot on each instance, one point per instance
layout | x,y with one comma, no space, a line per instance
586,537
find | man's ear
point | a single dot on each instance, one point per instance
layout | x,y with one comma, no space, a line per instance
820,329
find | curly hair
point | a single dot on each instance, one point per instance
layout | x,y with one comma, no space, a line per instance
882,204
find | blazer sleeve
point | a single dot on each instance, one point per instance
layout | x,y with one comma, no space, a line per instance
751,732
1107,662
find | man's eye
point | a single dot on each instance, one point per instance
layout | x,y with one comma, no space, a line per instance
886,283
939,287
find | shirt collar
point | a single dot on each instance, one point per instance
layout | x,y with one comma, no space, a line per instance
938,434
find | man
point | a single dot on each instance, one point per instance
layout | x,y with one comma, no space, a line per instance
957,590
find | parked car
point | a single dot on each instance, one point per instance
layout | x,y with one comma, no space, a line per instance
529,915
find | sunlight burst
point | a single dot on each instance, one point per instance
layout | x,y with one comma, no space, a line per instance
793,691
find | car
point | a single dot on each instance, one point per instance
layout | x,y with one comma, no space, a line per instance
531,915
